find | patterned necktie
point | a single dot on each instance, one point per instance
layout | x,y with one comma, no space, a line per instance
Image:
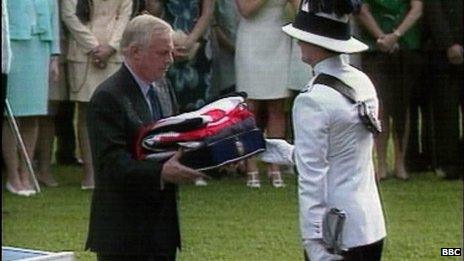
154,102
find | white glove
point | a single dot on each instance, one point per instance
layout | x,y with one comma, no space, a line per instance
278,151
316,251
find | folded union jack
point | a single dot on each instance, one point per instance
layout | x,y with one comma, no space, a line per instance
221,132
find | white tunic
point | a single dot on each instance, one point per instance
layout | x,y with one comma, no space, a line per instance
333,155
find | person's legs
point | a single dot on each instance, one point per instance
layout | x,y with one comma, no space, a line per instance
251,163
29,127
84,142
10,156
44,150
446,116
376,66
65,135
372,252
275,128
401,126
417,103
400,95
408,74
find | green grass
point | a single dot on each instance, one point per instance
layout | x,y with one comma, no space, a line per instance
227,221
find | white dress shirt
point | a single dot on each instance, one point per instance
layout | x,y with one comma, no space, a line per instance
333,155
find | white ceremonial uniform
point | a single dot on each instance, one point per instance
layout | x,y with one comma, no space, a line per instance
333,155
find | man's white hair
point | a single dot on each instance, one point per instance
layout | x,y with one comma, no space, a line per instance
140,29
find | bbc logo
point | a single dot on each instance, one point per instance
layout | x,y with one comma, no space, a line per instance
450,252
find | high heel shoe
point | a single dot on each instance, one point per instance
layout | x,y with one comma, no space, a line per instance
253,179
30,191
19,192
200,182
275,178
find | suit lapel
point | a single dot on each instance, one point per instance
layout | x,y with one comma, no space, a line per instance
136,99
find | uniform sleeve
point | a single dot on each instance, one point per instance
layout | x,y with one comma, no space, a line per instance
311,148
125,11
84,37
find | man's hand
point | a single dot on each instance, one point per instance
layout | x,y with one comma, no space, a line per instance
174,172
278,151
316,251
455,54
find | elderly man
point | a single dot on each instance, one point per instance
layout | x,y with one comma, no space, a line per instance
134,210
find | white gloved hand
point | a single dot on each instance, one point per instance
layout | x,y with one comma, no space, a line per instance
316,251
278,151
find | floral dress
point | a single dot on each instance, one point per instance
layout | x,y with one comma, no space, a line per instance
190,79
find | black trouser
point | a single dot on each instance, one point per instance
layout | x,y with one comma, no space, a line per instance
446,82
372,252
64,128
128,257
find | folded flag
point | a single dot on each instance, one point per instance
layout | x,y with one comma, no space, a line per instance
221,132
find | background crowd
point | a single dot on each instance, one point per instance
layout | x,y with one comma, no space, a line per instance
55,53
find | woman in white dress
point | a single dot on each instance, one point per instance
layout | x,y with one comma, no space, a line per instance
262,60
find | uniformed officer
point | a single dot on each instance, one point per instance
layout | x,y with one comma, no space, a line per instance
333,147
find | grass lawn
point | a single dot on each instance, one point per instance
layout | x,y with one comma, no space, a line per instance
227,221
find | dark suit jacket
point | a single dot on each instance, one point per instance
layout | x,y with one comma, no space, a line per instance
130,214
443,23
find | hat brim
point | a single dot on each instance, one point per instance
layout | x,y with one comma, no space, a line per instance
342,46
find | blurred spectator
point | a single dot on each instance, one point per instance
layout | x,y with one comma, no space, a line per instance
223,46
61,112
95,29
34,43
65,153
190,75
443,25
191,72
262,60
393,63
299,76
299,72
